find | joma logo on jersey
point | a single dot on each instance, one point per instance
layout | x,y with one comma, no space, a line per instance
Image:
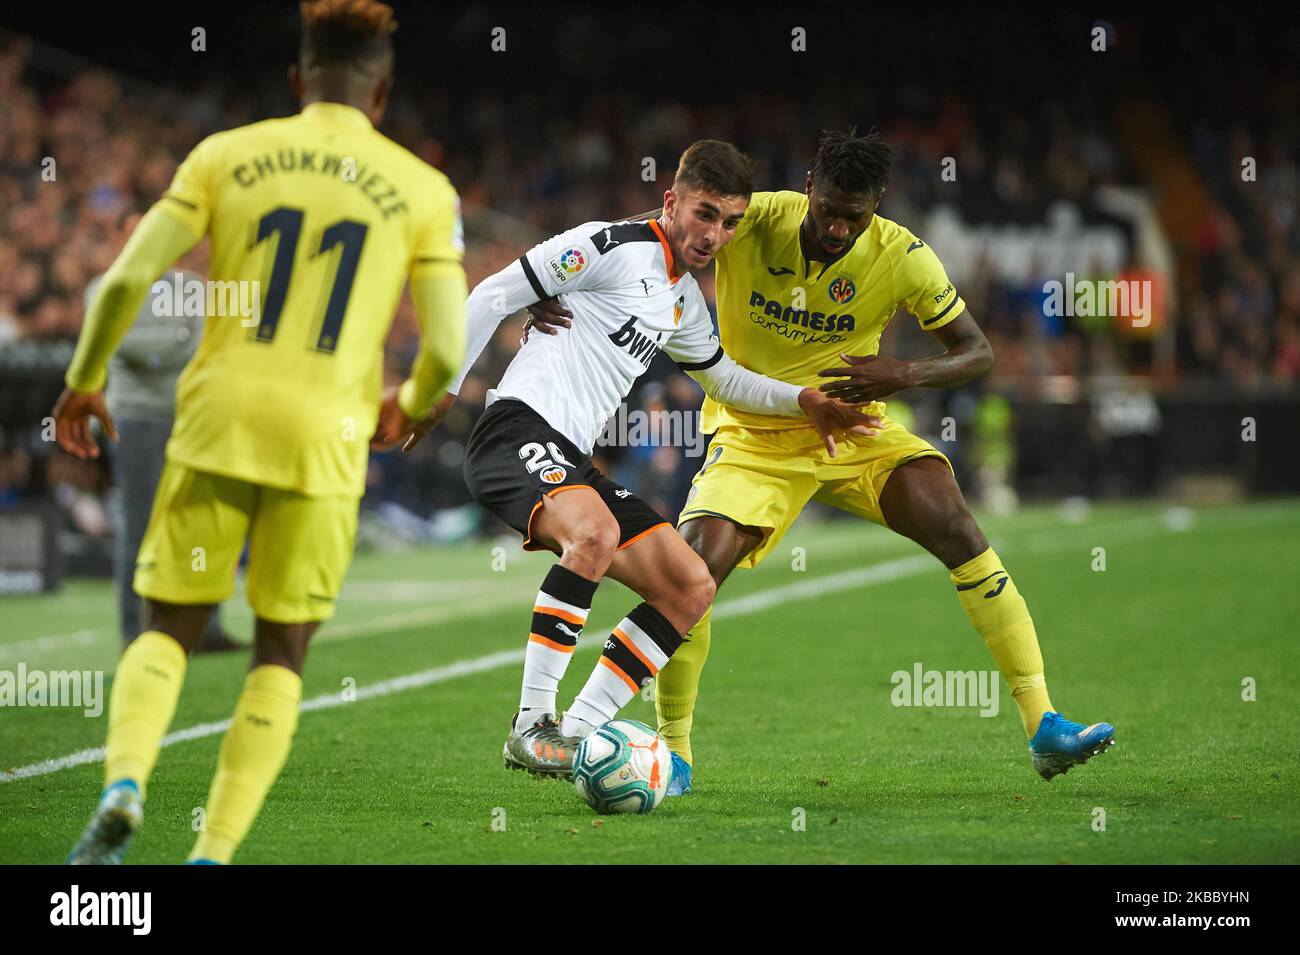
842,290
817,321
640,347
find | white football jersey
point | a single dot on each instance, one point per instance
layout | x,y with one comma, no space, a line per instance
618,281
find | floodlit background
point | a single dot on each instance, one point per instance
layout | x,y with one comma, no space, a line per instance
1024,156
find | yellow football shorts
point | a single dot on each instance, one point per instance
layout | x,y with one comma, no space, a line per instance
299,547
764,478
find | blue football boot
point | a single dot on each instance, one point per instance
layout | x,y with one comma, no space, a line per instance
680,784
108,834
1061,743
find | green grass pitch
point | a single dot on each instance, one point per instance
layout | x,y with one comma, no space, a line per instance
795,719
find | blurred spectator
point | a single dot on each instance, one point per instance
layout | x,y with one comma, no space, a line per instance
77,150
141,396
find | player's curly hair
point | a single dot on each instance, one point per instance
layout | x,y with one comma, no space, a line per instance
851,162
346,31
717,166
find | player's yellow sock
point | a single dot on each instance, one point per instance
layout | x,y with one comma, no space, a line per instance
141,706
678,684
995,607
252,755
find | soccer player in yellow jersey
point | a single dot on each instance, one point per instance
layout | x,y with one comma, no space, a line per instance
804,291
324,219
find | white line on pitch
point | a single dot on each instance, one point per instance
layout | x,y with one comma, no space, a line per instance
751,603
58,641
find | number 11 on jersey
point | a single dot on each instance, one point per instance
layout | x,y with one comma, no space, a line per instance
285,224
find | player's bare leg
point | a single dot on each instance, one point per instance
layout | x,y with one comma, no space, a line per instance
282,644
146,686
921,501
677,589
660,567
722,544
664,569
577,525
254,749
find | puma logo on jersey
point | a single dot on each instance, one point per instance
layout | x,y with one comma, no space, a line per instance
640,347
646,285
783,270
607,242
573,633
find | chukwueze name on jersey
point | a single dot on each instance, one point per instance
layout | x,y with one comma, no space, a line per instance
331,219
385,194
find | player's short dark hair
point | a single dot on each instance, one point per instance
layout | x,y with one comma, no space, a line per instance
851,162
356,32
717,167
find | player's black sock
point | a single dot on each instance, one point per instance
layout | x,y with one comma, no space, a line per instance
633,654
559,614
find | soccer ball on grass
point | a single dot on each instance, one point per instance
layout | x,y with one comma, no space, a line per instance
623,766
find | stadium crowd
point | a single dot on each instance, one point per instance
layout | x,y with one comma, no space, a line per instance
80,150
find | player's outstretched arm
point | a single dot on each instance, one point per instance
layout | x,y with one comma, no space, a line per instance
440,305
157,242
487,306
548,315
734,385
967,356
698,353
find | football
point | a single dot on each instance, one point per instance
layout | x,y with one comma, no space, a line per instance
624,766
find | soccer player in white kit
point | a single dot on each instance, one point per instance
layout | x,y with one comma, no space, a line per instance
528,459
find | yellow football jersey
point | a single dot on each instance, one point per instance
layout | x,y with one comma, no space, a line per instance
782,315
330,218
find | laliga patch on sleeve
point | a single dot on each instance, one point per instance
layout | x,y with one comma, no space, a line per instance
567,264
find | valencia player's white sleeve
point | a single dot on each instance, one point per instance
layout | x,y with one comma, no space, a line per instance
492,300
563,263
566,262
698,352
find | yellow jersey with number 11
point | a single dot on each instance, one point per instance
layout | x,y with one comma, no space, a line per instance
329,218
782,315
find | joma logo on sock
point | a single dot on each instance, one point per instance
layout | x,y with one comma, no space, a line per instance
103,908
946,688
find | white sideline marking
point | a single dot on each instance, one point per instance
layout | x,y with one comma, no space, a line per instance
474,602
1043,540
739,606
10,651
326,701
1034,542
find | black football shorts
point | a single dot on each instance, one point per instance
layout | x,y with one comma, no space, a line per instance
515,457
